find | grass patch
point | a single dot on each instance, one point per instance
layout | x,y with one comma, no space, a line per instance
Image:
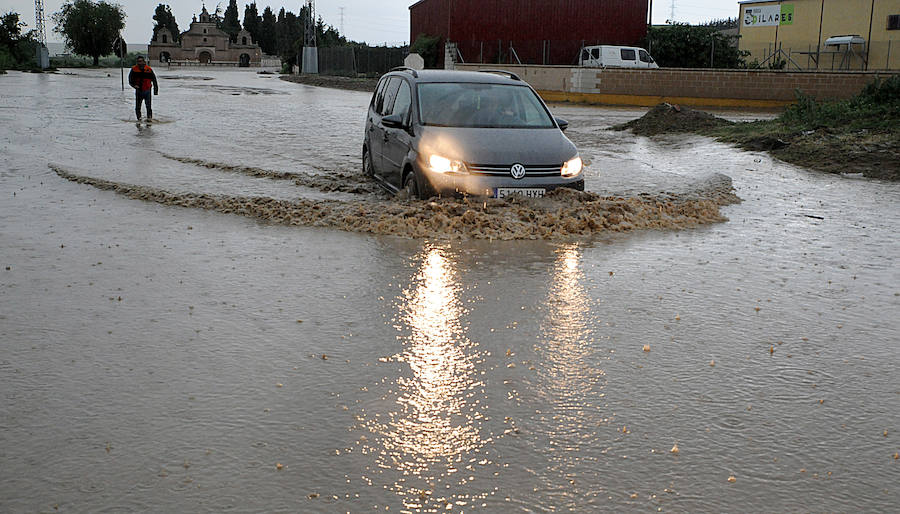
859,135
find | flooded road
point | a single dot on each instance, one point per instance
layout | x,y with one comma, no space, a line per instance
165,353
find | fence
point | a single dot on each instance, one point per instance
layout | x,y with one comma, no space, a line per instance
877,55
698,87
366,61
523,51
873,56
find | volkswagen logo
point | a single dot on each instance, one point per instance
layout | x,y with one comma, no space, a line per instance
517,171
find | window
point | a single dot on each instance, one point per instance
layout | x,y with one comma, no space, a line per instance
378,97
645,57
893,22
204,40
463,104
243,40
595,53
403,101
165,38
390,93
628,54
204,31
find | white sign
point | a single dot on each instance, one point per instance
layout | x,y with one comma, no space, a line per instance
414,61
768,15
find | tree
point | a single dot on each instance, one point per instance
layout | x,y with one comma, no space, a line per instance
231,25
327,35
165,19
289,36
252,21
685,46
428,47
90,28
16,50
722,24
267,31
10,29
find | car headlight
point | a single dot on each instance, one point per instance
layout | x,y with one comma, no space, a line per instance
445,165
572,167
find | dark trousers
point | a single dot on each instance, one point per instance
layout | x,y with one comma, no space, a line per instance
143,96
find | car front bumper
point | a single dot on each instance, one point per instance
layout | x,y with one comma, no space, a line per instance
454,184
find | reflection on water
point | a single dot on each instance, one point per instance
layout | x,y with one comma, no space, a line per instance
570,379
436,423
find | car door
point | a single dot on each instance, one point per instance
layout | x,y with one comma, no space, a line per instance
378,134
629,57
374,134
646,60
397,140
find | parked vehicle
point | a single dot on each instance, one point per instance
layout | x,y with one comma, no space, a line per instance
436,132
616,57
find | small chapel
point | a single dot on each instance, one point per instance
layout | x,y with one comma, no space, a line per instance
204,44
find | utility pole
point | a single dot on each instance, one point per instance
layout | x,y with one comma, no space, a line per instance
310,51
39,21
43,56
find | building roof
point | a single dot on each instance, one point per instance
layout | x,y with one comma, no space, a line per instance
758,1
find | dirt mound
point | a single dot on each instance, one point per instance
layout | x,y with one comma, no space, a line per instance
671,119
563,214
349,83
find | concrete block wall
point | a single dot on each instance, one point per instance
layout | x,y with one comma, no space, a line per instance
700,87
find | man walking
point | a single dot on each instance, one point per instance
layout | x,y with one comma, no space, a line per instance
142,79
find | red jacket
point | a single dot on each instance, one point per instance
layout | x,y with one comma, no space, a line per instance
143,79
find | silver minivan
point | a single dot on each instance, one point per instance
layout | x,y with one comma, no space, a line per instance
436,132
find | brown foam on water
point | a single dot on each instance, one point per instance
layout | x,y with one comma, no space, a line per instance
563,214
328,182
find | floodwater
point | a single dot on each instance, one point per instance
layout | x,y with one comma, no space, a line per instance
178,333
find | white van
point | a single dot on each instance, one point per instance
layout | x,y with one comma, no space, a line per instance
606,56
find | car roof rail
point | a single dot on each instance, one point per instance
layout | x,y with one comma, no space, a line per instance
504,72
414,73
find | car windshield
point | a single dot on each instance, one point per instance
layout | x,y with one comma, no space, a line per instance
464,104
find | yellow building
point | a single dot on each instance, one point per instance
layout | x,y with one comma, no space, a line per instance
822,34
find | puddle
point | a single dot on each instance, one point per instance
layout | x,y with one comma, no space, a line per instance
235,90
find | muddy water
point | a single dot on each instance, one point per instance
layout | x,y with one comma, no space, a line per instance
157,357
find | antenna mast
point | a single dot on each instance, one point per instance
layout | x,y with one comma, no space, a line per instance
39,22
672,15
310,52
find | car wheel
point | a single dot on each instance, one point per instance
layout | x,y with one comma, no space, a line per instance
368,168
411,186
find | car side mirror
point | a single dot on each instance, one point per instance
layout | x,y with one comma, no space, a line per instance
563,124
392,121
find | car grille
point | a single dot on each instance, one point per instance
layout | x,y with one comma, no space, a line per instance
550,170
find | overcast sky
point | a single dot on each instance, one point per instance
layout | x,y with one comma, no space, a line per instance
384,21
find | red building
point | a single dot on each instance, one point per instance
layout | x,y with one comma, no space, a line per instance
528,31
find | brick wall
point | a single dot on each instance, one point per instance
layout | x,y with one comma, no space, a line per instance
753,88
732,84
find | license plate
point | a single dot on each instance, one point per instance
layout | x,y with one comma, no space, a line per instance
527,192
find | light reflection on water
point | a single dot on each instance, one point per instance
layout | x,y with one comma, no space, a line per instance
436,421
569,380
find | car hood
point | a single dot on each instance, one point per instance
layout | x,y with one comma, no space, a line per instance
498,146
